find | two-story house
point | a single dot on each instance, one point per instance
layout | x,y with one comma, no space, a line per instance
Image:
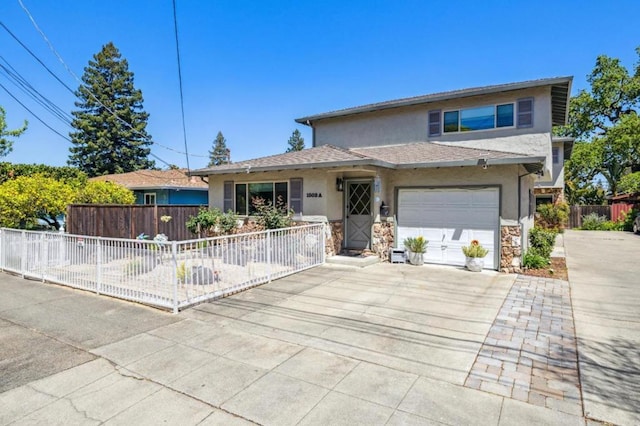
453,167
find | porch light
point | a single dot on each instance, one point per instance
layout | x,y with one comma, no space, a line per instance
483,163
339,185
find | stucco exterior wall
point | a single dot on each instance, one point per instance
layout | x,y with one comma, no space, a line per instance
314,182
556,178
409,124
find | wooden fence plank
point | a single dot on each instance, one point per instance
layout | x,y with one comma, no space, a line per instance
129,221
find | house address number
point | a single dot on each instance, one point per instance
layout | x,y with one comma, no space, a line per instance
314,195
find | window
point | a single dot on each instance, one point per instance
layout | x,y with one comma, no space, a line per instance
434,123
150,198
555,154
525,112
544,199
271,192
480,118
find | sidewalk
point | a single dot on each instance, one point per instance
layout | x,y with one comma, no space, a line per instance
387,344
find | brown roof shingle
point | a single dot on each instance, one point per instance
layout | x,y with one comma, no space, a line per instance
155,179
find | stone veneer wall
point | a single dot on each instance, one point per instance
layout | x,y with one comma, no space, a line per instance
334,242
558,193
383,238
511,249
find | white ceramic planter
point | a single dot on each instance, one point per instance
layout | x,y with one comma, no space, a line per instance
415,258
474,264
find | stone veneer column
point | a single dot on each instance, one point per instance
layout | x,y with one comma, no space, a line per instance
383,238
334,243
510,249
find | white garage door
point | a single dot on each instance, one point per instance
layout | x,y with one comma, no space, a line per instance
450,218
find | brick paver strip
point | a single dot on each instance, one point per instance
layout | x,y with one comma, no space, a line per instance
530,353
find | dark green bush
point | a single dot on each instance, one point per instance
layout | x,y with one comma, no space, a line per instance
542,241
533,260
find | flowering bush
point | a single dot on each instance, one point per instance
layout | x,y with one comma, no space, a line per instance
474,249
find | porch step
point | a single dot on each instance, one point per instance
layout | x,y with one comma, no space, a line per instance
358,261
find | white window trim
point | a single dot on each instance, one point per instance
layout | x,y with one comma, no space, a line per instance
495,118
155,198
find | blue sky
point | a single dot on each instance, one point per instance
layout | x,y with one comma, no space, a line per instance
251,67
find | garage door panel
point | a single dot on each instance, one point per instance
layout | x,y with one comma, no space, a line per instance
450,218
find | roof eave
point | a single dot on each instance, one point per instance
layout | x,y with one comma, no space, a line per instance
473,162
321,165
426,99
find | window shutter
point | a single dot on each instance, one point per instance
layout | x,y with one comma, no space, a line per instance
525,112
434,123
295,195
228,196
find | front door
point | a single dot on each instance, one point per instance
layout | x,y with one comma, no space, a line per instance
358,215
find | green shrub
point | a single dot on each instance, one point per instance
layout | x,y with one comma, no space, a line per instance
269,216
550,216
534,260
593,222
542,241
628,218
212,222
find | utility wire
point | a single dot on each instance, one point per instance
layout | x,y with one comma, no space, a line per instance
184,128
23,84
55,52
35,57
34,114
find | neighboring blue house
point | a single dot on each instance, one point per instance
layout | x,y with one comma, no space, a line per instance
162,186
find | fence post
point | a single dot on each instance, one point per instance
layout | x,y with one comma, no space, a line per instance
174,275
1,249
269,256
98,265
23,252
42,255
326,230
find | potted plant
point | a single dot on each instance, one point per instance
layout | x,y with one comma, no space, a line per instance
416,248
475,254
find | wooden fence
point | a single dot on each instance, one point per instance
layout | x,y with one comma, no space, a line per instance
129,221
611,212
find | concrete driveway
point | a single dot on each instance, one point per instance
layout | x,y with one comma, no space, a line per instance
604,272
388,344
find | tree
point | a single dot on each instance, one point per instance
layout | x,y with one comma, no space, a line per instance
605,118
97,192
219,154
66,174
27,198
296,142
6,145
110,124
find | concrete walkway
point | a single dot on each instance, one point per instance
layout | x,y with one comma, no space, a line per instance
604,272
387,344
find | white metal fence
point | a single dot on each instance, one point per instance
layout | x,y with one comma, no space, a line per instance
173,274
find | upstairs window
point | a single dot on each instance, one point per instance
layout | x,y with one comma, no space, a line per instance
525,112
479,118
555,152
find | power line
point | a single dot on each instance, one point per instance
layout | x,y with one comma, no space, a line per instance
34,114
184,129
55,52
35,57
23,84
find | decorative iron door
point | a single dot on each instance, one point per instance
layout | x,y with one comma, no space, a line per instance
358,211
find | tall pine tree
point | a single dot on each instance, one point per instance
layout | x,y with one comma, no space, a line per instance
296,142
219,153
110,124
